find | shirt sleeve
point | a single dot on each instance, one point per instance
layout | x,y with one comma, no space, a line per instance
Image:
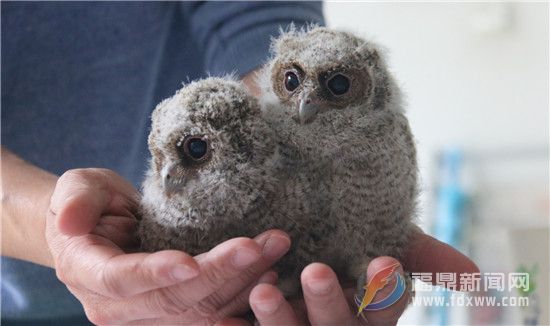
235,36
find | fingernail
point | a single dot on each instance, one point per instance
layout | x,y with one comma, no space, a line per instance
244,257
182,272
275,247
268,306
319,287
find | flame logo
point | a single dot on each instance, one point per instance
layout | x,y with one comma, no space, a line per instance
378,282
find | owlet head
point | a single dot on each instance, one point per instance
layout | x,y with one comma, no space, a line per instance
206,131
321,69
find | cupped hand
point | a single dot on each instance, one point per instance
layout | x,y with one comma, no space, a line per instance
327,302
89,230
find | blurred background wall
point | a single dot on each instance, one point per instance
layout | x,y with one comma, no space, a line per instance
476,76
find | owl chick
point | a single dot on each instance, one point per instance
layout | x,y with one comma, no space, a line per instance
348,155
210,172
330,160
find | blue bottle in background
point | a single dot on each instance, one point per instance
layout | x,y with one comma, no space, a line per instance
450,215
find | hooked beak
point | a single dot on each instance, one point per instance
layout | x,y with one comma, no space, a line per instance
307,110
172,181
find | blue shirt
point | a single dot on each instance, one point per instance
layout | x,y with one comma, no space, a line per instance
79,82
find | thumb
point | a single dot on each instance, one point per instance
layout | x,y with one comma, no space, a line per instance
390,314
82,196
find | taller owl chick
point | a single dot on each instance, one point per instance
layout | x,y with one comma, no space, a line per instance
210,174
346,145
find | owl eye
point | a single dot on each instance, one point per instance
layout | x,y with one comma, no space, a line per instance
193,149
197,148
338,84
291,81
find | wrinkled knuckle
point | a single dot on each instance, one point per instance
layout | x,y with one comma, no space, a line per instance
111,284
214,276
242,301
166,303
205,309
248,274
215,300
147,275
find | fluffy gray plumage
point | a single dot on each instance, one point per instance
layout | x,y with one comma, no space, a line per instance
335,171
346,148
194,203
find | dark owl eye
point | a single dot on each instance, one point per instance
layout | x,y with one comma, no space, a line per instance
338,84
193,149
291,81
197,148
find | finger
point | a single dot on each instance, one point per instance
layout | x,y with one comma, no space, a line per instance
232,322
131,274
391,314
220,318
218,267
119,229
82,196
270,246
240,305
270,307
94,263
274,244
181,321
158,321
324,298
108,271
429,255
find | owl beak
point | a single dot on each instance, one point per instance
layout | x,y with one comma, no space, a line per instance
307,110
172,181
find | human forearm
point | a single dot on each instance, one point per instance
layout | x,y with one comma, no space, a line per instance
26,192
242,35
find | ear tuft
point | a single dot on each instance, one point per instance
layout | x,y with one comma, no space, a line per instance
289,37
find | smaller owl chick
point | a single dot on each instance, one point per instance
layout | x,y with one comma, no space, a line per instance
209,172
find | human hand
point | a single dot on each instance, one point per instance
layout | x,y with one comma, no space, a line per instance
91,221
327,302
